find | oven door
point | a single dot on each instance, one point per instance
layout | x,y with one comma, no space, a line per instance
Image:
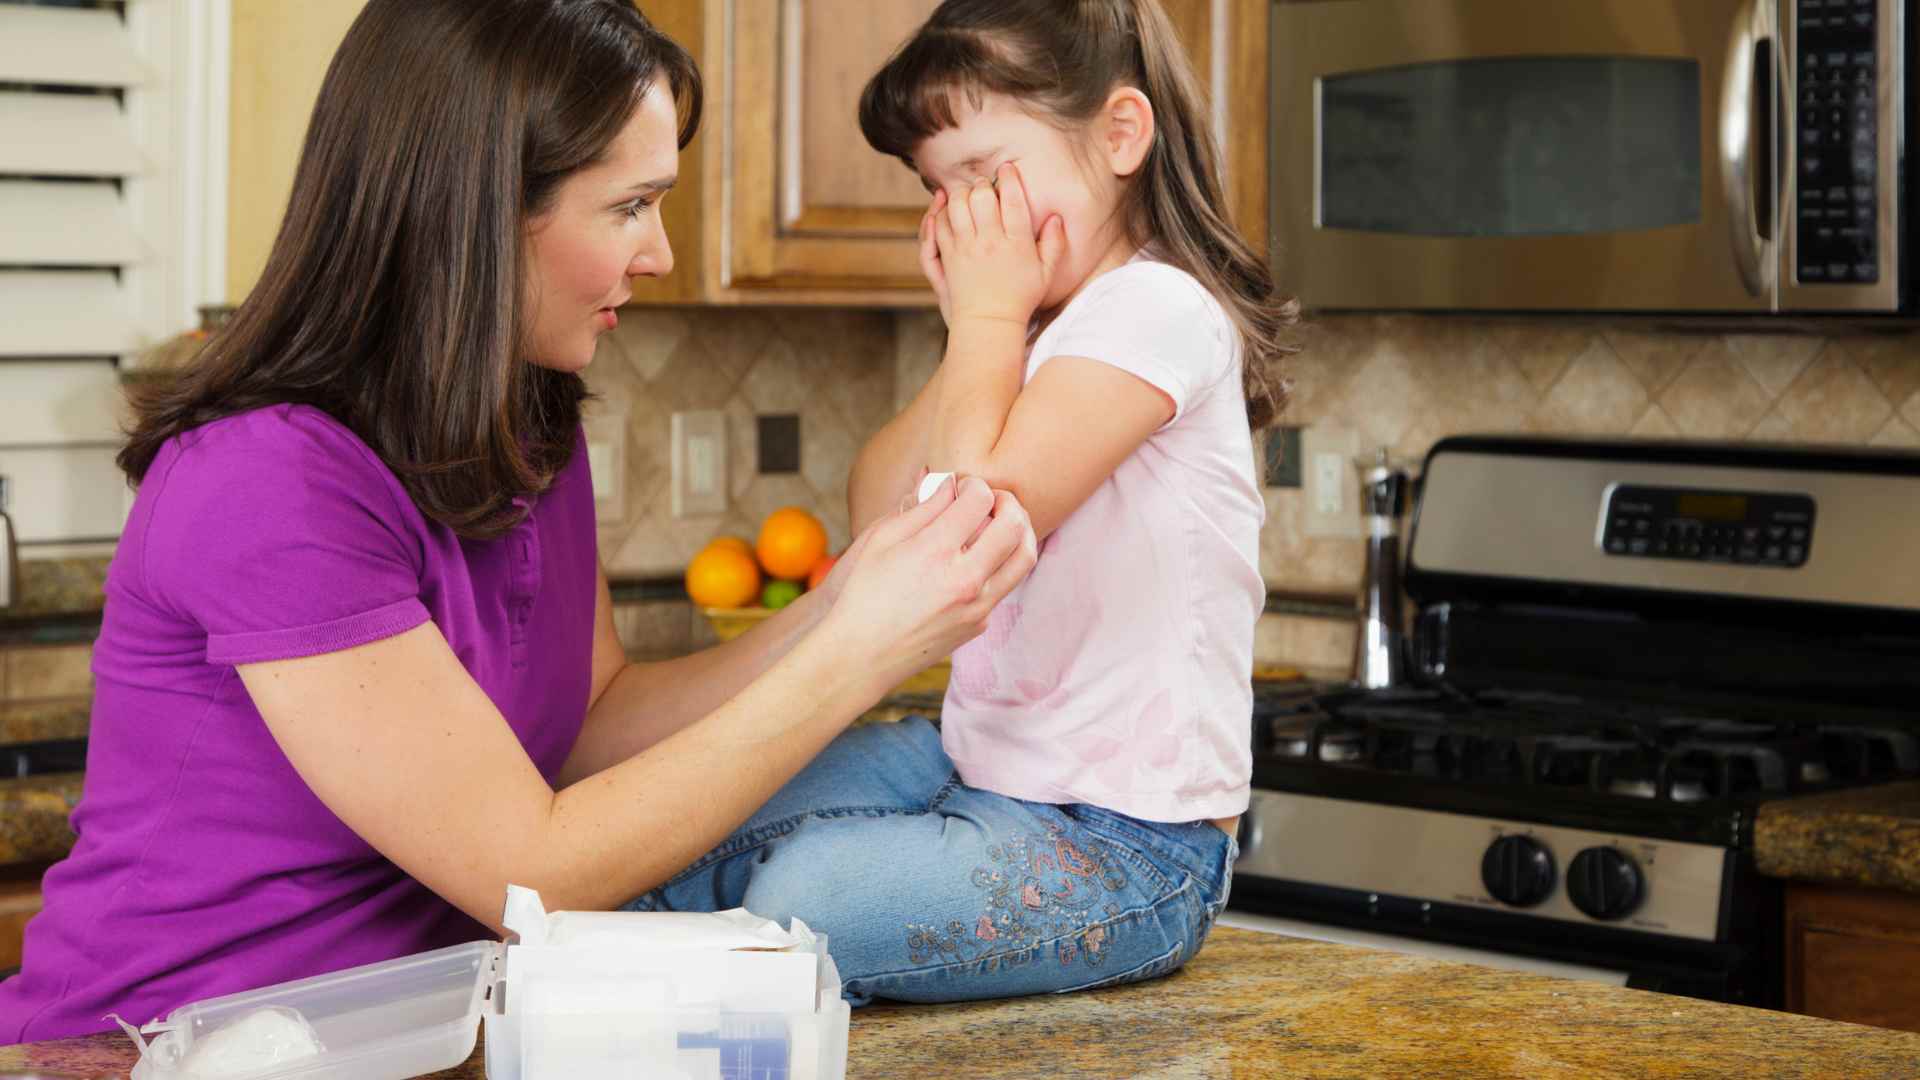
1526,154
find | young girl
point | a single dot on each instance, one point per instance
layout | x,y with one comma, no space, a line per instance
1071,824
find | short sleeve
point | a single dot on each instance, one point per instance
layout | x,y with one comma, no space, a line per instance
1152,321
280,534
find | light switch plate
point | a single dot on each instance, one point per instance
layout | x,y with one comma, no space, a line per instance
607,461
1332,487
699,463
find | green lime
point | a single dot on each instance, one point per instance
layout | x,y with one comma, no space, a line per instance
779,594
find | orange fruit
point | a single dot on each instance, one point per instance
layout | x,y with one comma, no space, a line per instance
791,542
723,577
820,570
733,542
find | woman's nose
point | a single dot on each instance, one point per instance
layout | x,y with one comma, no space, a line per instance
654,260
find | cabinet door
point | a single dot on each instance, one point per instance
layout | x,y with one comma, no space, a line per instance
809,206
1854,955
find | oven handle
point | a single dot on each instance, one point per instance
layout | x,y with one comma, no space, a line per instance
1746,142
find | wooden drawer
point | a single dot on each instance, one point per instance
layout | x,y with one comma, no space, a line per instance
1854,955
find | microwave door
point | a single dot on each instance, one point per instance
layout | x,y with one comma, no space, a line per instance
1526,154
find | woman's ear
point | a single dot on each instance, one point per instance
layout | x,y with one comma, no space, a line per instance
1127,130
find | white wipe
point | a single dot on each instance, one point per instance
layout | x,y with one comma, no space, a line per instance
270,1036
932,484
660,930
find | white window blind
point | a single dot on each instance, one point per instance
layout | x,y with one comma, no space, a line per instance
112,192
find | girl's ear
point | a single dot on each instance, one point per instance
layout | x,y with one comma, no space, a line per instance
1126,130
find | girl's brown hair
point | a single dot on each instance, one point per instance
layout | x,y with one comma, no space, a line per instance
393,298
1061,59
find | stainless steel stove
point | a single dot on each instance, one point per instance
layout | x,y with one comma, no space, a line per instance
1621,651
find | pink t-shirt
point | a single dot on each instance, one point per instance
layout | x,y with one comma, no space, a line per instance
1120,672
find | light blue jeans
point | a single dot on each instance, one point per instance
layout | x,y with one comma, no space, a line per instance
929,890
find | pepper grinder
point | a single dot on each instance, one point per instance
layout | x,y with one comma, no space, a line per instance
9,554
1379,650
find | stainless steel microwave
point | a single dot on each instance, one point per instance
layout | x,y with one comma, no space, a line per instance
1603,155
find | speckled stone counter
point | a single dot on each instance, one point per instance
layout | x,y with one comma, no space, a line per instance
1257,1006
33,817
1868,836
60,587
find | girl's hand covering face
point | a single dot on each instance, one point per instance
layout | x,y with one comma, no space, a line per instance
987,256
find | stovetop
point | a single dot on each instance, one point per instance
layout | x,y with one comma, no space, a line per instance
1687,771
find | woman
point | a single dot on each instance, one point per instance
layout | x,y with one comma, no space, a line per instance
358,669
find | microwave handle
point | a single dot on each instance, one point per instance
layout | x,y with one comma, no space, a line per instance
1747,157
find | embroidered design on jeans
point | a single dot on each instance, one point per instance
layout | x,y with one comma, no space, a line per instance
1041,888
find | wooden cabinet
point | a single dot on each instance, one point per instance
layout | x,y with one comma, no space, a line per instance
1854,955
782,201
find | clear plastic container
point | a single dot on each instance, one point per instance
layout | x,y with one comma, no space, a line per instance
387,1021
420,1014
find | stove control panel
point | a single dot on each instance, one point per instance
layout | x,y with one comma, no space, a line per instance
1541,871
1746,528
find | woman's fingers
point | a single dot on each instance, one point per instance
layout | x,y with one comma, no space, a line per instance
912,519
1005,550
972,502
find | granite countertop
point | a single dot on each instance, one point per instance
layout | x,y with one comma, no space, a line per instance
33,817
1259,1005
1867,836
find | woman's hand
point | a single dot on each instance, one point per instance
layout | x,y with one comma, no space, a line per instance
928,577
993,267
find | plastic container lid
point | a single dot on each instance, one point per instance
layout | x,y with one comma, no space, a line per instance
386,1021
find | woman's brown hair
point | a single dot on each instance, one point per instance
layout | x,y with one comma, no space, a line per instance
393,298
1060,59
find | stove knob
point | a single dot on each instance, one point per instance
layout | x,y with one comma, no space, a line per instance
1604,882
1518,870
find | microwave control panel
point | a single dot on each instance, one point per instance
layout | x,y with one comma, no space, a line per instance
1750,529
1836,196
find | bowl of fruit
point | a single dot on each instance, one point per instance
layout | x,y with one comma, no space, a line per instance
739,585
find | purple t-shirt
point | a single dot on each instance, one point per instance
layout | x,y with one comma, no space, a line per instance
205,865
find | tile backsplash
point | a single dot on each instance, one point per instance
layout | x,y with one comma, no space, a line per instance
1401,381
834,369
1404,381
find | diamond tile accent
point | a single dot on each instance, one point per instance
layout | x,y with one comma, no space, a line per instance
647,338
778,381
1655,424
1897,433
1714,398
1892,361
1656,359
1597,395
1772,428
1774,360
1834,401
1542,352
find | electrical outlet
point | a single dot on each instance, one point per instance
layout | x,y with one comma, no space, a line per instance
607,462
699,463
1332,486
